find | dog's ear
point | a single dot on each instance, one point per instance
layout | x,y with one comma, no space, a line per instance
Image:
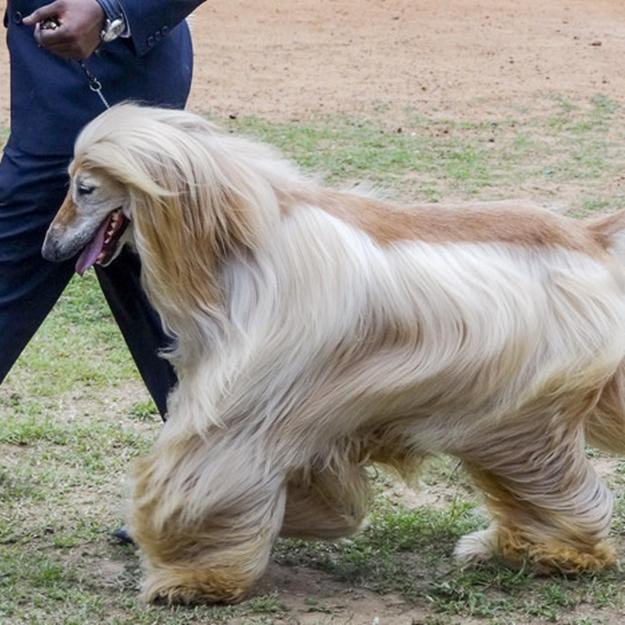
204,213
178,252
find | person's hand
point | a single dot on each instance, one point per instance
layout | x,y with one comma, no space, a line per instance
78,27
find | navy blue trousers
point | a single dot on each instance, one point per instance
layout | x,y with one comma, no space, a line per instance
32,189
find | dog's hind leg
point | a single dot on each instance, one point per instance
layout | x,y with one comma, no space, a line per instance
322,504
548,505
205,515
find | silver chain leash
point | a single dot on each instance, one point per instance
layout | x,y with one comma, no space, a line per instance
94,84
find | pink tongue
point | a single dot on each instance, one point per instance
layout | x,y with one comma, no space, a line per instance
94,247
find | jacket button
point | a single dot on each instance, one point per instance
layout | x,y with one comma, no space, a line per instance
165,30
150,41
158,36
18,17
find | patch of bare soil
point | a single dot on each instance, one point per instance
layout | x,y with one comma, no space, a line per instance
289,59
312,597
293,59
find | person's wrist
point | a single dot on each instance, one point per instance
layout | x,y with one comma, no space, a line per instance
114,23
111,8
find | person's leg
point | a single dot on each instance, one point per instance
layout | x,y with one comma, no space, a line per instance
31,190
139,323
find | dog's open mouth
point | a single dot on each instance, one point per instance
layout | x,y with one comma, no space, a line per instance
103,245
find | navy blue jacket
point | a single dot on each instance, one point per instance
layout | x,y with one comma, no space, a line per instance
50,97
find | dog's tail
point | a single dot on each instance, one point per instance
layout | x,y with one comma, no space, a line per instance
609,231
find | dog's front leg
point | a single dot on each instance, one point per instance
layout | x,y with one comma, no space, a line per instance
205,515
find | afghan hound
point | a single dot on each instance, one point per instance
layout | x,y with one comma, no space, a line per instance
319,331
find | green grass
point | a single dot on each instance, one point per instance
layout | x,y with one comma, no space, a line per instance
74,415
570,152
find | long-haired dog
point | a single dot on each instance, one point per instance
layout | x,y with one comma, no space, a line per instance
319,331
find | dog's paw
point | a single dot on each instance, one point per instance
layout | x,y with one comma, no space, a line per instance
475,548
173,587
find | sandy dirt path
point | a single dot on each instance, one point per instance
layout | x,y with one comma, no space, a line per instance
291,59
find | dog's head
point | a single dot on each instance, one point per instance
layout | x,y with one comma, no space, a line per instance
184,192
131,164
94,220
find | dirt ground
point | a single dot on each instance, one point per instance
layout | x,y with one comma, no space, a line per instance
290,59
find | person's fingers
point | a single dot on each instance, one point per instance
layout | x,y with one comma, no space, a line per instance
46,12
36,34
51,37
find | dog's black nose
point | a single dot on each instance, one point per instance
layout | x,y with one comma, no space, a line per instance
50,249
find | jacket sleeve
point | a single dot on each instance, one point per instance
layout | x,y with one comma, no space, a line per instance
151,20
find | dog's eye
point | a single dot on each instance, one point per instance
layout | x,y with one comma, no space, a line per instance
84,189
